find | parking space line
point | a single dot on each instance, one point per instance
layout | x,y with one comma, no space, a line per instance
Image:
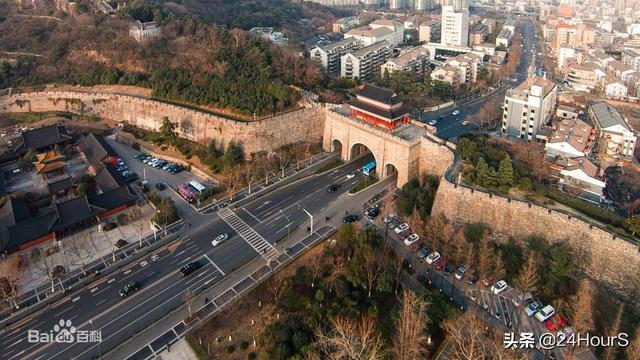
214,264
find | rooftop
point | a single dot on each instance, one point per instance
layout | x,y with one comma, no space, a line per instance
43,137
371,48
575,132
607,116
379,94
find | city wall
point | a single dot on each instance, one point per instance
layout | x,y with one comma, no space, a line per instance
611,261
301,125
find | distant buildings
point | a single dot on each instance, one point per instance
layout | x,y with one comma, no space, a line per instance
270,34
144,32
459,70
479,34
345,24
416,60
528,107
328,56
504,38
617,140
455,26
363,63
382,29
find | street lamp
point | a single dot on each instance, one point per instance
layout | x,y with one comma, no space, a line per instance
310,217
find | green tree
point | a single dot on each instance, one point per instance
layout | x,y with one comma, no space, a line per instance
466,148
559,266
168,131
633,224
505,172
233,155
483,173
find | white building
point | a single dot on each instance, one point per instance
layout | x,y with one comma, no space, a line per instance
617,139
466,67
328,56
504,38
614,88
382,29
455,26
528,107
364,63
415,60
631,58
565,53
144,32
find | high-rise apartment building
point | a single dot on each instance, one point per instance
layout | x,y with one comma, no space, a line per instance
455,26
528,107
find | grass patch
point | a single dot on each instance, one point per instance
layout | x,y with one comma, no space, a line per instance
11,119
199,350
364,183
333,164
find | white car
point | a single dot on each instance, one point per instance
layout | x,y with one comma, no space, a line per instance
433,122
522,298
401,228
433,258
411,239
499,287
219,239
545,313
351,176
455,112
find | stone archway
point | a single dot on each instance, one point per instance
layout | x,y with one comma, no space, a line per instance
390,169
358,150
336,145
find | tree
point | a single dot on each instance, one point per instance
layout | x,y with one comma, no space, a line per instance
9,275
284,158
351,339
483,172
411,338
233,155
232,179
368,263
168,131
316,266
466,334
559,265
611,352
82,189
527,282
633,350
582,310
633,224
505,172
484,256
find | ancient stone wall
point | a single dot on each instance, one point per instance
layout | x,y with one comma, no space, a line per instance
611,261
301,125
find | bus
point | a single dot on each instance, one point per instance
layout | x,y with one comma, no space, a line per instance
369,167
199,188
186,192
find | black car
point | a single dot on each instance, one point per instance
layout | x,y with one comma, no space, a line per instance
160,186
333,188
448,269
121,243
189,268
372,213
472,279
350,219
129,288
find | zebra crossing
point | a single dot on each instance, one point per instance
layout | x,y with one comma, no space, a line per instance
257,242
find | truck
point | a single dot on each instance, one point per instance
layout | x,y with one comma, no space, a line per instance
187,192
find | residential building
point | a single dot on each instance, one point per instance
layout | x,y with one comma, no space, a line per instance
345,24
446,73
603,38
614,88
566,112
564,54
379,107
619,69
571,138
581,77
581,177
466,68
510,25
486,48
479,34
415,60
617,139
422,5
528,107
424,33
631,58
364,63
329,55
382,29
504,38
455,26
566,10
269,33
144,32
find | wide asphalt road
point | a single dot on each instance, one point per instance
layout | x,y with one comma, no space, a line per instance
255,226
450,126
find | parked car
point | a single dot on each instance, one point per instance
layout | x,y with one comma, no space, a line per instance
545,313
189,268
433,122
455,112
401,228
411,239
422,254
435,256
556,322
461,271
129,288
499,287
219,239
109,225
448,269
438,264
488,280
372,213
122,168
350,218
522,298
333,188
121,243
533,307
472,279
160,186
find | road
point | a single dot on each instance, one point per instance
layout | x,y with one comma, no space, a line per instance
450,126
254,231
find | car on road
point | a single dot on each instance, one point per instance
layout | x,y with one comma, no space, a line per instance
432,122
435,256
219,239
455,112
372,213
545,313
189,268
533,307
465,123
522,298
128,288
350,218
351,175
333,188
461,271
401,228
411,239
438,264
499,287
556,323
160,186
422,254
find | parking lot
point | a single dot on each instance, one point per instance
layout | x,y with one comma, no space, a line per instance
155,175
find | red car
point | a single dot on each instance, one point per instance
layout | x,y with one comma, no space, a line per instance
439,264
556,323
488,281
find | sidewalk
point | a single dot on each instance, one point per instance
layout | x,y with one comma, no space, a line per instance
181,350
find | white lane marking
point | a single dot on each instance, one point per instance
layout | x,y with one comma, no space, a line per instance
93,290
127,272
76,299
214,264
253,216
63,311
100,302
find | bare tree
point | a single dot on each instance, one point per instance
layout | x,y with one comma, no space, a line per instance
266,167
611,352
82,253
411,338
278,286
138,222
232,179
44,265
399,260
351,339
633,350
466,335
284,159
316,265
582,310
527,281
373,264
9,276
484,256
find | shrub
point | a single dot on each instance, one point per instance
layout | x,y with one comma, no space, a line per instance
244,345
135,146
252,356
230,349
